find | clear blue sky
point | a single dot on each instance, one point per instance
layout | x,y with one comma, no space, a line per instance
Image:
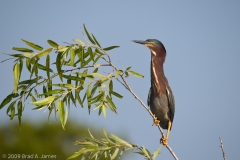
202,65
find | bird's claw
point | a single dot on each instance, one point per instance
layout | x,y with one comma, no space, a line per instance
155,120
164,141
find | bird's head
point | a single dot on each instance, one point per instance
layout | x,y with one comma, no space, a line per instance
156,47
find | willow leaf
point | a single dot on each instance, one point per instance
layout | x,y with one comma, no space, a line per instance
33,45
22,49
135,74
157,152
121,141
55,91
20,66
110,48
88,35
12,112
48,66
96,41
78,41
97,98
61,112
68,86
52,43
75,78
91,53
8,99
104,111
16,74
42,67
20,110
16,55
72,56
116,94
44,101
110,86
45,52
115,153
58,65
99,75
77,92
111,105
28,64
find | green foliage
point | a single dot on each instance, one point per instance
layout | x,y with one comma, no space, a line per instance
74,82
82,85
109,147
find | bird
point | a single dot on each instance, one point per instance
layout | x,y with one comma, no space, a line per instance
160,96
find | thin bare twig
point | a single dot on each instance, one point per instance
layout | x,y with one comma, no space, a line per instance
171,151
221,146
90,66
122,83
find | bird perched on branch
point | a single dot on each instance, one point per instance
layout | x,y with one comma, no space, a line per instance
160,96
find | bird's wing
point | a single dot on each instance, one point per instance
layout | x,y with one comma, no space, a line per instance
171,102
149,95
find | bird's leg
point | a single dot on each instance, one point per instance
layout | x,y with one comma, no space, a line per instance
155,120
164,140
169,127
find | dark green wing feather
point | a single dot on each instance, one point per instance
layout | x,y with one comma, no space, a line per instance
171,103
149,95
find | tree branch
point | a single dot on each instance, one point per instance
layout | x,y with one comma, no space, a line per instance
221,146
171,151
90,66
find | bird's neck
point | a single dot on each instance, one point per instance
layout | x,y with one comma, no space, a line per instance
158,79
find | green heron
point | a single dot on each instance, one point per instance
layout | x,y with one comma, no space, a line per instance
160,96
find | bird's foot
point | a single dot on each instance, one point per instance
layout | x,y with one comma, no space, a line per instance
164,141
155,120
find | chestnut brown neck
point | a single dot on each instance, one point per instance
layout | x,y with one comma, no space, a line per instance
158,79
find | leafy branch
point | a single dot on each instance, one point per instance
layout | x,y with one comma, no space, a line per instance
109,147
83,84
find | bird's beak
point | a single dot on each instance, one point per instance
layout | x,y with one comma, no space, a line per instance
140,42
